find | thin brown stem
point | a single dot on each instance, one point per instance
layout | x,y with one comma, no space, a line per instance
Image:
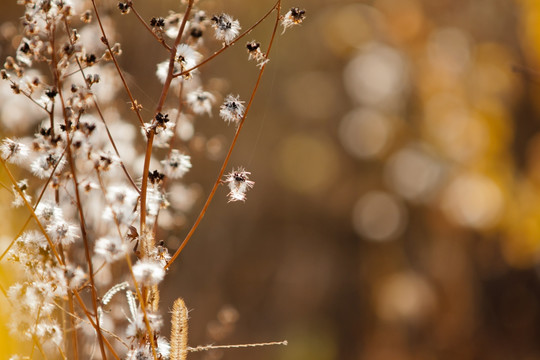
171,147
105,40
75,317
231,148
74,341
29,97
94,325
148,154
160,40
38,345
159,106
82,221
140,296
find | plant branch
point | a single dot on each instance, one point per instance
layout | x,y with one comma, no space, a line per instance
226,46
231,148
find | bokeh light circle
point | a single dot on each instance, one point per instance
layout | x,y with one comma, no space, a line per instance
365,133
379,216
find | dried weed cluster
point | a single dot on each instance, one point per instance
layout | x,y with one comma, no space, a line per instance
91,214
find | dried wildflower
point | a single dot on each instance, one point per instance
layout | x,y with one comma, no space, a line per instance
178,67
55,37
49,331
92,79
24,53
232,109
253,47
197,27
148,272
200,101
155,177
162,120
14,151
48,212
160,253
124,7
163,347
156,200
122,202
187,58
239,183
140,352
254,52
136,330
88,185
110,248
295,16
89,59
51,93
163,137
179,330
116,50
157,22
176,165
62,232
104,161
43,166
226,27
86,17
75,276
17,199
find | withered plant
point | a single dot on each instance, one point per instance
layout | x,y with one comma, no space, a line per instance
90,258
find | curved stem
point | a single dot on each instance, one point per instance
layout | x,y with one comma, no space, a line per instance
106,42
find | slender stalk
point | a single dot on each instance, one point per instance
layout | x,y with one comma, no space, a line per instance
214,347
29,97
159,106
140,296
82,221
120,73
160,40
74,341
75,317
94,325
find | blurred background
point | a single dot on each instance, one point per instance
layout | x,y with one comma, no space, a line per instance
396,212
